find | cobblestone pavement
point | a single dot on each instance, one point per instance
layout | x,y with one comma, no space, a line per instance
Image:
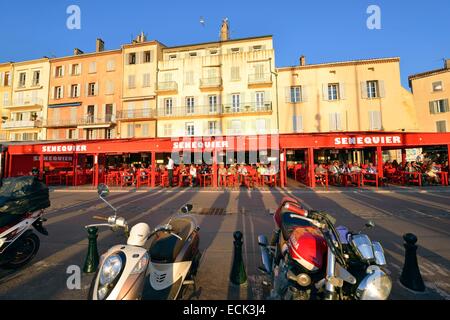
395,211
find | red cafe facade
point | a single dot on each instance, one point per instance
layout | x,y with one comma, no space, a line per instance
26,156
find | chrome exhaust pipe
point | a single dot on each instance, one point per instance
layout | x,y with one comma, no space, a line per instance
265,254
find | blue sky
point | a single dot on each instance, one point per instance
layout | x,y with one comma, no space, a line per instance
323,30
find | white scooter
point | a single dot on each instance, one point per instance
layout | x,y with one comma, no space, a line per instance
151,270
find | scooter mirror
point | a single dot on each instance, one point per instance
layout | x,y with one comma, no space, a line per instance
187,208
370,225
103,190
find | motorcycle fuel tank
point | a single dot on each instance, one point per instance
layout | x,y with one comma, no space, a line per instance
307,247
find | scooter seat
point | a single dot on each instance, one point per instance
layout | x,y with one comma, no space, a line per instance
166,247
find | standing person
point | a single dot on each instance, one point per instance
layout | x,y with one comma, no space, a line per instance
193,173
170,166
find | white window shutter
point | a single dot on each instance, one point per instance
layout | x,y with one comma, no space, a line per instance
2,75
79,90
338,121
62,70
287,93
79,68
86,92
332,122
382,89
70,69
10,79
364,94
96,90
342,91
304,91
325,92
52,93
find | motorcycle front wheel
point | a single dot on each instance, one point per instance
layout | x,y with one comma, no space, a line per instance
23,252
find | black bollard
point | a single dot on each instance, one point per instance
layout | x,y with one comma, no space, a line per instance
92,259
238,275
411,277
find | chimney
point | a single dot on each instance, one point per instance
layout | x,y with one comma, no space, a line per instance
225,30
77,52
447,64
100,45
302,61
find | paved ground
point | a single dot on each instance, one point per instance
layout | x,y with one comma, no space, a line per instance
396,211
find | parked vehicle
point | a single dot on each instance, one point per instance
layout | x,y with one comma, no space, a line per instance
153,265
309,258
22,204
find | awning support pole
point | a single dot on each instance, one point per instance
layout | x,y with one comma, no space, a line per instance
312,180
214,173
153,168
380,162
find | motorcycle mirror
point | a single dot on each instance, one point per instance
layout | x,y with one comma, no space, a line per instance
103,190
370,224
187,208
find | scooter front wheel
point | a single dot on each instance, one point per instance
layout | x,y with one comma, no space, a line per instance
23,252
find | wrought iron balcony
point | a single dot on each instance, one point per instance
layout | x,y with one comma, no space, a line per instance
17,103
251,107
189,111
260,79
22,124
91,121
136,114
167,86
211,83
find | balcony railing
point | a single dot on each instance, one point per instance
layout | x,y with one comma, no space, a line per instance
22,124
136,114
167,86
260,78
251,107
25,102
206,83
55,123
189,111
91,120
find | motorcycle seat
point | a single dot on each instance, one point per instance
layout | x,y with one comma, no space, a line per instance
288,223
165,248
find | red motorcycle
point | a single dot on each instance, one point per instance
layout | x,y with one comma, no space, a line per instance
309,258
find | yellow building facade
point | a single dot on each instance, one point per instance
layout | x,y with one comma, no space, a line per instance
140,65
28,105
364,95
216,88
6,80
431,92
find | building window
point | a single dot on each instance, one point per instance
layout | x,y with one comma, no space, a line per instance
168,130
260,99
297,123
58,92
374,120
109,134
36,78
373,89
172,57
130,130
147,56
131,82
59,72
109,87
111,65
333,91
190,131
189,78
295,94
437,86
441,126
212,103
261,126
168,106
74,91
145,130
93,67
71,134
335,122
235,50
439,106
146,80
22,79
90,134
92,89
235,74
76,69
192,54
5,79
212,127
213,52
132,58
236,102
190,105
236,126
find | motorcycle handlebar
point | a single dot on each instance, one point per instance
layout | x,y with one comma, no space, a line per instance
101,218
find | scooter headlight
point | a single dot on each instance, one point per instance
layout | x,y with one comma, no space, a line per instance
375,286
110,270
141,266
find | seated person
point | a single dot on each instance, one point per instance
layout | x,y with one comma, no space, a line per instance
355,168
223,172
371,169
193,173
